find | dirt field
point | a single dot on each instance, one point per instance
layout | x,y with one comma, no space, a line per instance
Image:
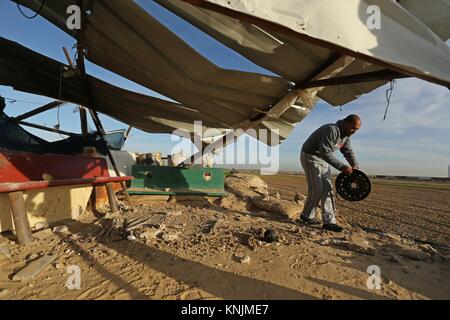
414,210
215,250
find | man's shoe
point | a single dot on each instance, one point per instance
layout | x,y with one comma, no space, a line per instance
332,227
313,221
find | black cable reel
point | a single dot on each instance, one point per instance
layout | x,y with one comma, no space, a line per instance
355,186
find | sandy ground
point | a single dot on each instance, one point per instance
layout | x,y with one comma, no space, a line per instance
215,250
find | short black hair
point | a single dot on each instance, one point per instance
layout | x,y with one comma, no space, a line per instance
353,118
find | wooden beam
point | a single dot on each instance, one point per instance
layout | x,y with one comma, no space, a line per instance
36,111
382,75
20,218
37,126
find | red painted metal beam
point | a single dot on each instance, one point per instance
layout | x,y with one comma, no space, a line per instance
32,185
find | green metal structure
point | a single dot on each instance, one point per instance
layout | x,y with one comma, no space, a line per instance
160,180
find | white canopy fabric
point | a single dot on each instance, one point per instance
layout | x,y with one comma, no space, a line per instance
403,43
120,36
434,13
299,40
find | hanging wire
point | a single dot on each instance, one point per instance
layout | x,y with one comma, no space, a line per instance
388,97
37,13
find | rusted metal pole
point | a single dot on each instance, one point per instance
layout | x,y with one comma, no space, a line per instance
112,198
83,115
37,126
20,218
46,107
94,115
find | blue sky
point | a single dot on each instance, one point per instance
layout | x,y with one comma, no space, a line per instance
414,140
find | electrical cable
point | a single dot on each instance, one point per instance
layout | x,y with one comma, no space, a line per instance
37,12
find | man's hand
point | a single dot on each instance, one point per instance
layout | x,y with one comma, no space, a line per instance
347,170
355,167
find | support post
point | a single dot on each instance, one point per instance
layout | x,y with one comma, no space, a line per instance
112,197
20,218
94,115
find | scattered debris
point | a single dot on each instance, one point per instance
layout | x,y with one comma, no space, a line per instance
246,185
324,242
356,244
170,236
243,260
428,249
175,213
123,207
33,256
58,266
299,198
209,226
406,270
134,224
33,268
61,229
150,233
43,234
41,225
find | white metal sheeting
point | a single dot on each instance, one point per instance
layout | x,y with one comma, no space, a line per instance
403,42
120,36
300,40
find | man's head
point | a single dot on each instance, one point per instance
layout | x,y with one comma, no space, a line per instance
351,124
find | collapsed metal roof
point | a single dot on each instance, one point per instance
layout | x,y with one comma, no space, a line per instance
320,47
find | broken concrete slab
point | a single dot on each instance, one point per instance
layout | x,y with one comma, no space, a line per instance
285,208
241,259
411,253
150,234
246,185
40,225
170,236
5,251
61,229
33,268
43,234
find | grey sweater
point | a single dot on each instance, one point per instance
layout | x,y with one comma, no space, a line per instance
327,139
